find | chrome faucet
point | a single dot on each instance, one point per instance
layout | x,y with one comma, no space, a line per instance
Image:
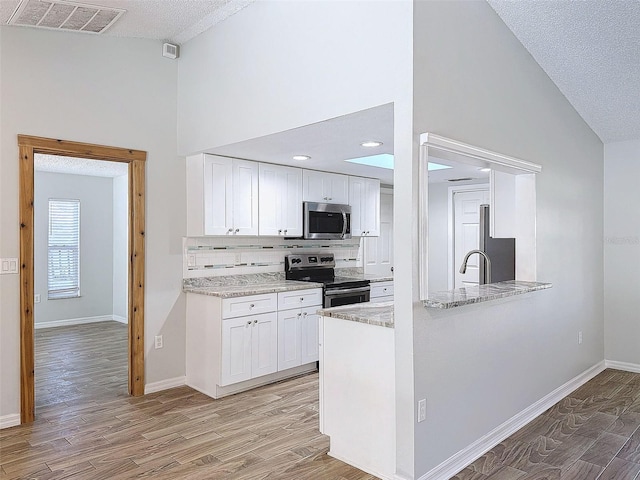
463,268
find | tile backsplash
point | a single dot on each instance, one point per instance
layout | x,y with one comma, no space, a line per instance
220,256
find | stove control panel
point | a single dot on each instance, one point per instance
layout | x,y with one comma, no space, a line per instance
301,261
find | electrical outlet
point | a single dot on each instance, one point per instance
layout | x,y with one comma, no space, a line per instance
36,298
580,337
422,410
158,341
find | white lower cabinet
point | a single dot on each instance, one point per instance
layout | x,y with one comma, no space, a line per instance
381,292
298,327
249,347
234,344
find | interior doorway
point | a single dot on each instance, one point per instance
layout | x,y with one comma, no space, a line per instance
135,159
81,281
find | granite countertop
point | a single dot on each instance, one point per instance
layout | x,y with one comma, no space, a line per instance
380,314
243,285
481,293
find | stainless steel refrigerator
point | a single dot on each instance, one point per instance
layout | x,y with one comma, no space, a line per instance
501,251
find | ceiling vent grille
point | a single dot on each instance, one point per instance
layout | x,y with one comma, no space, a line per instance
64,15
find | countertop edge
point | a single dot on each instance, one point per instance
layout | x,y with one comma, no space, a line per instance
517,288
251,289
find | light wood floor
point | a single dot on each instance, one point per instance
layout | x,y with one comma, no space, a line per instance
272,432
594,433
267,433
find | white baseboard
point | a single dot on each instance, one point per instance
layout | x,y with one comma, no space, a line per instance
360,467
11,420
74,321
165,384
464,457
627,367
118,318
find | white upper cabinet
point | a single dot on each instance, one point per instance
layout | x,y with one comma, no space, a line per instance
222,196
280,200
364,198
325,187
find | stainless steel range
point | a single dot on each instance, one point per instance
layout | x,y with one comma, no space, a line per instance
320,268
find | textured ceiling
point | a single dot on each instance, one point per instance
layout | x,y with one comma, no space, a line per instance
79,166
591,51
169,20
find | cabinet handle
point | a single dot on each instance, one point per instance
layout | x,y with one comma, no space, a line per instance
298,315
249,322
302,299
304,314
285,231
237,230
255,321
230,230
279,231
252,305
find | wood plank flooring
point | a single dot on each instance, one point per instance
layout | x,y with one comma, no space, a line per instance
88,428
594,433
267,433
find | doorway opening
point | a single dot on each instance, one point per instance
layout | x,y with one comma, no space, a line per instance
81,281
28,148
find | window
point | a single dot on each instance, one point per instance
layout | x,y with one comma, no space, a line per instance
63,266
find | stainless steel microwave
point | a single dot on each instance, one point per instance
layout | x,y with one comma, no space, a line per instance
326,221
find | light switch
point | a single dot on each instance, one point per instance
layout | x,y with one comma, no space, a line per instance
8,266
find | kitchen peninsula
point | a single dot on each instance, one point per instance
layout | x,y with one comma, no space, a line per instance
357,384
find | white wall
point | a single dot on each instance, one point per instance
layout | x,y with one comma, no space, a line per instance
96,245
278,65
121,247
622,252
109,91
480,365
438,236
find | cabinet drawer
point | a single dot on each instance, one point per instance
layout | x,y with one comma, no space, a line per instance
299,298
381,289
249,305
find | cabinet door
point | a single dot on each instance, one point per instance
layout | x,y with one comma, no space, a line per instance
325,187
264,344
289,336
280,212
245,197
236,350
364,198
310,340
291,201
268,221
218,198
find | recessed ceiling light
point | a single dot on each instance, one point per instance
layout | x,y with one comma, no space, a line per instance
301,157
371,143
486,169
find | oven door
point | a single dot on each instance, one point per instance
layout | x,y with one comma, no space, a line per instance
346,296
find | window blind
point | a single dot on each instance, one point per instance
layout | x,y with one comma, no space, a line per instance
63,268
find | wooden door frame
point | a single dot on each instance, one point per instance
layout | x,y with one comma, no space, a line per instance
28,146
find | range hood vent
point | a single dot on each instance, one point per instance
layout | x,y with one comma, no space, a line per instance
64,15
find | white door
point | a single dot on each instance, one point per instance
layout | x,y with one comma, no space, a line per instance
236,350
325,187
218,199
309,335
378,251
466,232
280,193
289,335
264,344
245,197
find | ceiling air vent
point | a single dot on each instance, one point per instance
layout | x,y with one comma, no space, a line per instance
64,15
466,179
